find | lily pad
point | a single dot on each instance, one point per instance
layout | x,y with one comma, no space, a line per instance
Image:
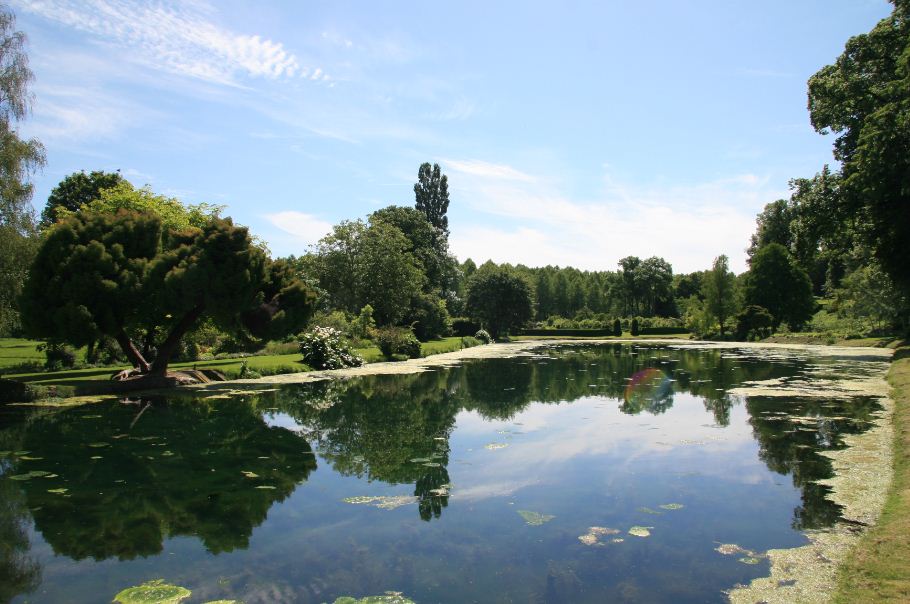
432,464
383,502
29,475
749,560
645,510
421,460
535,518
98,445
249,474
266,487
731,549
153,592
30,458
640,531
671,506
592,537
60,491
494,446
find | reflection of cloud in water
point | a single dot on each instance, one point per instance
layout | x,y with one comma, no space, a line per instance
557,435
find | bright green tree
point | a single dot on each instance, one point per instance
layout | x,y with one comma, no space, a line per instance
776,282
500,299
719,291
76,190
864,97
19,159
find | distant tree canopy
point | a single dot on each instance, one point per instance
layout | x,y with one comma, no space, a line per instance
127,276
864,97
777,283
719,291
76,190
500,299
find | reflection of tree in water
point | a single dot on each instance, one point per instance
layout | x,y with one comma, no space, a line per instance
185,468
790,442
19,572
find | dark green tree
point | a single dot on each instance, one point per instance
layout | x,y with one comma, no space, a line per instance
864,97
776,282
19,159
753,321
719,291
76,190
431,192
125,277
500,299
772,225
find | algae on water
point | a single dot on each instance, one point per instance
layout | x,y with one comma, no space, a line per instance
641,531
390,597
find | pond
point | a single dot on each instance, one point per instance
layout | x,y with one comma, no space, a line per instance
575,473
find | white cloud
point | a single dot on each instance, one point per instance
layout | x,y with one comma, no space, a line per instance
536,225
306,227
172,36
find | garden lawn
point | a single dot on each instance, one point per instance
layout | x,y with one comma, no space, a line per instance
878,570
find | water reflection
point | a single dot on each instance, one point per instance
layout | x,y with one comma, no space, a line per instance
124,478
115,481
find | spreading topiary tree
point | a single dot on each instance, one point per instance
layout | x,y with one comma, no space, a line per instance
777,283
125,276
500,299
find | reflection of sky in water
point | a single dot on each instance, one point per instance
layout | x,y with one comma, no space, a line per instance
597,461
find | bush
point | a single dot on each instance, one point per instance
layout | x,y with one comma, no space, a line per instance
393,341
753,322
429,318
324,348
634,327
463,327
470,342
484,336
617,327
59,356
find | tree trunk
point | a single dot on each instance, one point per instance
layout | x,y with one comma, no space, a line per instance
167,348
132,353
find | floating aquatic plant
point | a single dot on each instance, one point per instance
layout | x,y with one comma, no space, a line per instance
640,531
60,491
749,560
535,518
645,510
153,592
592,537
671,506
29,475
382,501
494,446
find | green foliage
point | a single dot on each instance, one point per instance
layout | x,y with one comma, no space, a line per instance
17,251
754,323
462,326
431,193
429,318
501,299
394,341
325,348
363,323
868,293
864,97
58,356
123,275
483,336
718,289
777,283
634,328
617,327
76,190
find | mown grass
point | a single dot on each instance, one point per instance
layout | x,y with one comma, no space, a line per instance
22,351
878,569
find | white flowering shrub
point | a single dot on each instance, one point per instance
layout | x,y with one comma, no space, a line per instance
325,348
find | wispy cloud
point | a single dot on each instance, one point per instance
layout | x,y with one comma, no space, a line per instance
688,225
177,37
306,227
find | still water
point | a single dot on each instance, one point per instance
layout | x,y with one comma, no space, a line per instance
575,474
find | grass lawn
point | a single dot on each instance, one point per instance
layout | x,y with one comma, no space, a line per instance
878,570
19,351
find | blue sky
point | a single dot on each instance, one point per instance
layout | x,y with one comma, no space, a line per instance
571,133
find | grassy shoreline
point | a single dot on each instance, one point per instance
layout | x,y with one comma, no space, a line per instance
878,569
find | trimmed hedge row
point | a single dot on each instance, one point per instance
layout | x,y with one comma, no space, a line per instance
599,333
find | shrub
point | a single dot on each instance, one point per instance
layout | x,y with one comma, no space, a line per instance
429,318
59,356
470,342
248,374
363,323
617,327
634,327
464,327
324,348
484,336
394,341
753,322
